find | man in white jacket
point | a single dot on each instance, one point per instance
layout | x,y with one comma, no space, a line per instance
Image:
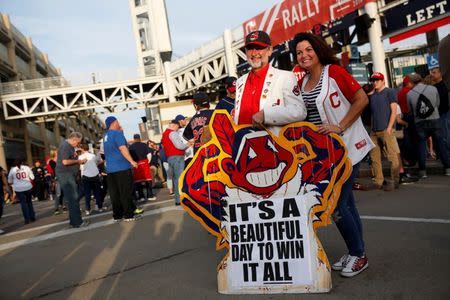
266,95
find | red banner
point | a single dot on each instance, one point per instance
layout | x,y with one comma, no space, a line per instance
289,17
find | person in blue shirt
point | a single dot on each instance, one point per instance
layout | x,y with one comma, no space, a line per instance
228,102
119,164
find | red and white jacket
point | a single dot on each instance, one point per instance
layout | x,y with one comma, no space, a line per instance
280,99
333,105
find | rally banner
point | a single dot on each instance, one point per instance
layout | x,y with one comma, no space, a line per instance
263,196
288,17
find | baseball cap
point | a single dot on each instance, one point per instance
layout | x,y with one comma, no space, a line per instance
259,38
415,77
201,99
109,120
178,118
230,84
377,76
136,136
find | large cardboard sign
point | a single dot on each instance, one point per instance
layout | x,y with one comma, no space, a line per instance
263,196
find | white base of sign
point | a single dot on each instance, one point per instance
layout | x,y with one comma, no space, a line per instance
322,284
272,248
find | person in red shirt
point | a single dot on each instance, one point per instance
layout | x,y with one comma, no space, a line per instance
174,147
408,147
407,85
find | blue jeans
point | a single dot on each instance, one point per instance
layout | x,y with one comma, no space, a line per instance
70,191
431,128
347,218
176,162
27,206
92,185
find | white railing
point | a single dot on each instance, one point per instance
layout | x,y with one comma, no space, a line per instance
190,59
33,85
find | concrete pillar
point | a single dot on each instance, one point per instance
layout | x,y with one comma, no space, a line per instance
229,59
375,33
32,63
43,131
26,138
67,125
2,148
169,83
56,131
432,41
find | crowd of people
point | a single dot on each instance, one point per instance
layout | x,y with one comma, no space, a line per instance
409,125
396,123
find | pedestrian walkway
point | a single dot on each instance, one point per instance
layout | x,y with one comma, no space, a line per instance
167,255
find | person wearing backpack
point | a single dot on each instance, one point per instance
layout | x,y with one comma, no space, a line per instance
423,101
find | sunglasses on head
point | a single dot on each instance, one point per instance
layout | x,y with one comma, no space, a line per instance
255,47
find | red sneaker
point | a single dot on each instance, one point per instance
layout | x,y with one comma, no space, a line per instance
355,265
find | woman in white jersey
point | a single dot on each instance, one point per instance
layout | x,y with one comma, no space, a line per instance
20,177
334,102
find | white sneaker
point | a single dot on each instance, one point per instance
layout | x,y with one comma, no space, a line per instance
142,200
84,224
88,212
422,174
341,263
96,207
152,198
355,265
136,217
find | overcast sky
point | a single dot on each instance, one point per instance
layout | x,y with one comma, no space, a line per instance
95,36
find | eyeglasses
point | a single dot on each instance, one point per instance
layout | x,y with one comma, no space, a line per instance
255,47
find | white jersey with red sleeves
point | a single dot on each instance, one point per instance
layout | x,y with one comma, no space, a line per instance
333,103
280,99
21,178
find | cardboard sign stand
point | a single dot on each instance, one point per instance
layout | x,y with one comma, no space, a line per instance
263,195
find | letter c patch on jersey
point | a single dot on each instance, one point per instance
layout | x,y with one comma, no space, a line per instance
296,90
334,100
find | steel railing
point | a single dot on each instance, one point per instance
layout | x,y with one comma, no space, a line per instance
33,85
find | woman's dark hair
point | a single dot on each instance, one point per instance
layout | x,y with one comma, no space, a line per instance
323,51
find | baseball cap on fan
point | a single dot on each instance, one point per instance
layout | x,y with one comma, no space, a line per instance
109,120
179,118
377,76
259,38
201,99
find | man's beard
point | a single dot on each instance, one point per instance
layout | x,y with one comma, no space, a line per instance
258,64
255,65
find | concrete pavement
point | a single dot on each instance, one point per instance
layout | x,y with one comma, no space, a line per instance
167,255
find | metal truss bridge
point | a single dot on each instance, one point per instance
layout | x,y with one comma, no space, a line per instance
208,64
